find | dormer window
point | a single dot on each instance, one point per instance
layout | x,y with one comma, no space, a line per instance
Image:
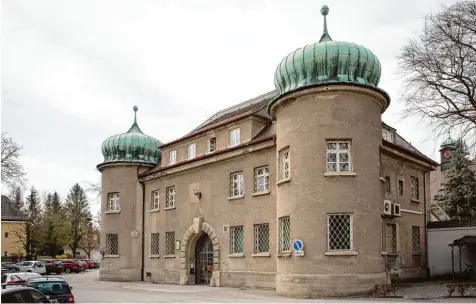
173,157
191,151
387,135
234,137
212,144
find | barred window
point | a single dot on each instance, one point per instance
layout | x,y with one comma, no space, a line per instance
414,185
173,157
170,242
212,144
154,202
387,184
338,156
261,238
113,202
262,179
391,237
112,244
284,164
284,234
154,244
236,184
236,239
191,150
339,232
170,200
400,187
416,239
234,137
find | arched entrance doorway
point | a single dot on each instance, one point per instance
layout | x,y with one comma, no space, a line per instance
204,260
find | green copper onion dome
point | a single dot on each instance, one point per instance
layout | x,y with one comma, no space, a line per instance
327,62
131,147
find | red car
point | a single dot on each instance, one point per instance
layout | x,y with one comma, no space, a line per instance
71,266
89,263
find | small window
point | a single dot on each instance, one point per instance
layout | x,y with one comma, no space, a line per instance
172,157
236,239
170,200
212,144
400,187
236,184
262,179
339,232
284,164
191,151
113,202
387,135
6,234
387,184
391,237
234,137
154,244
338,156
112,244
5,253
154,203
415,188
170,243
284,234
416,239
261,238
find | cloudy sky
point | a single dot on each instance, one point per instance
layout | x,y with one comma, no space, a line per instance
72,70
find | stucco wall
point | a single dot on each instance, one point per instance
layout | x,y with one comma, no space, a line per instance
12,244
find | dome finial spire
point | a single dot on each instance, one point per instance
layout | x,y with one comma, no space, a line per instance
325,35
135,108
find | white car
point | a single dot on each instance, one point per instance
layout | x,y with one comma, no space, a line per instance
31,266
16,279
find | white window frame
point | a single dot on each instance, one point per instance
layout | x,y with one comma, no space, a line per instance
351,232
209,147
387,135
261,231
239,182
338,151
260,179
172,157
170,199
415,188
113,202
191,151
284,164
235,139
155,200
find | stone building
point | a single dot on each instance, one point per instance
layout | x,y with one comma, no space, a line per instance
310,161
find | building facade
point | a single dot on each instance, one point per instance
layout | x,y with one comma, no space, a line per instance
13,230
303,190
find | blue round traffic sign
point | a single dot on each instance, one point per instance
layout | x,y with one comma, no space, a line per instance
298,245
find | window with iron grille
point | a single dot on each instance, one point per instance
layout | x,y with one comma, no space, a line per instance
387,184
236,240
338,156
284,164
170,242
154,201
391,237
170,200
400,187
212,144
416,239
339,232
191,150
113,202
415,190
261,238
173,157
284,234
154,243
236,184
234,137
262,179
112,244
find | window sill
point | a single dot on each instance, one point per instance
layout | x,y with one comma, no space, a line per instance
154,256
169,256
415,201
337,253
417,253
261,254
154,210
237,255
340,174
170,208
283,181
113,211
284,254
382,179
235,197
111,256
260,193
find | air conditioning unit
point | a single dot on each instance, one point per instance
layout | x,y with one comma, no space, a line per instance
387,207
396,210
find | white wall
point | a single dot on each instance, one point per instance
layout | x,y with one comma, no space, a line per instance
439,253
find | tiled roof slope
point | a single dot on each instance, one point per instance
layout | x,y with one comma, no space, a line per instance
10,212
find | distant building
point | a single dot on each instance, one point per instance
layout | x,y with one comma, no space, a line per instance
13,229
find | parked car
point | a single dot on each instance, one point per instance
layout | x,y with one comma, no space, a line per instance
17,278
70,266
30,266
53,266
97,264
8,267
56,289
82,264
89,263
23,295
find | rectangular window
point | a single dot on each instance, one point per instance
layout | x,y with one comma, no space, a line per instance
112,244
212,144
191,150
338,156
387,184
154,244
261,238
154,200
400,187
391,237
113,202
339,232
415,190
387,135
170,243
416,239
6,234
262,179
236,239
173,157
284,164
236,184
284,234
170,200
234,137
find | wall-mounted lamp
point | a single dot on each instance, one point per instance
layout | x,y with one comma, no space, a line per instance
197,193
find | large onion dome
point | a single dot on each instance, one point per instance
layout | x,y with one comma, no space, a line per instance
131,147
327,62
449,141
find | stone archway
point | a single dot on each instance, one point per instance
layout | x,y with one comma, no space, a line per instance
191,235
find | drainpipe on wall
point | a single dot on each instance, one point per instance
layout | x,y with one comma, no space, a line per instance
143,227
426,225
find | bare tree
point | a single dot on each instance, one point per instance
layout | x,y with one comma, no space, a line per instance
13,173
90,240
439,71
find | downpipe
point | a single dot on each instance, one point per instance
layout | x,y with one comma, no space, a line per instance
143,228
426,223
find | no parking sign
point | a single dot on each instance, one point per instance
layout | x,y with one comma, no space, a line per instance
298,247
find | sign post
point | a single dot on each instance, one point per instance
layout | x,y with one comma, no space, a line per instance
298,247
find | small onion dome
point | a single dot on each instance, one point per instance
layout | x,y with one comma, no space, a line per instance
131,147
327,62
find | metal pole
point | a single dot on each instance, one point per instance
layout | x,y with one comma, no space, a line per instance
453,262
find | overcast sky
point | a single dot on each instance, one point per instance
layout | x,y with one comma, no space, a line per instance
72,70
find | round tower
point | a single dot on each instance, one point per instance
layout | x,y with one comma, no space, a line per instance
125,156
447,148
329,131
